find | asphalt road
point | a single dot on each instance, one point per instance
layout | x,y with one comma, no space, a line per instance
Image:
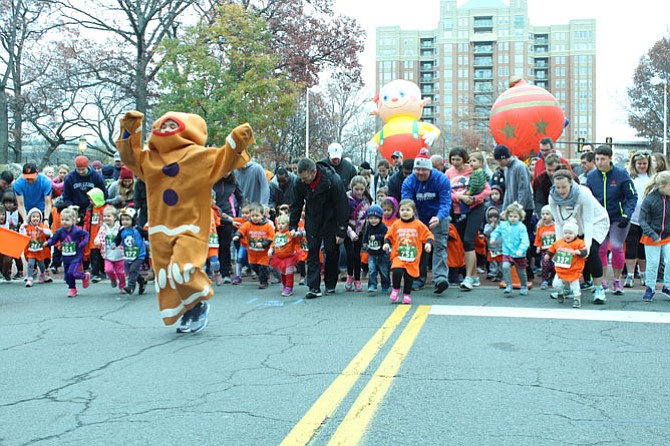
459,369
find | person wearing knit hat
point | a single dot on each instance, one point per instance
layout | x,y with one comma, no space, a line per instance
81,162
502,152
97,166
569,259
77,184
430,190
121,192
545,236
379,261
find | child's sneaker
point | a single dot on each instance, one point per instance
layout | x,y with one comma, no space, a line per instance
129,290
142,285
47,277
288,291
372,289
648,295
395,295
576,302
217,279
41,278
113,283
123,291
236,280
349,286
406,299
544,285
71,292
523,291
86,280
226,279
359,287
262,286
508,290
29,282
302,281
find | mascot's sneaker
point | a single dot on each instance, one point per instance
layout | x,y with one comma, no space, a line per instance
200,317
185,323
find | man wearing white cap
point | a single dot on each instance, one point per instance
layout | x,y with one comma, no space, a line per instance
117,165
343,167
430,190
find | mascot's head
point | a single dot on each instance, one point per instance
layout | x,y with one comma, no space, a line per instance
399,97
176,130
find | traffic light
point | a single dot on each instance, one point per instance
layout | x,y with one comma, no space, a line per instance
608,141
580,144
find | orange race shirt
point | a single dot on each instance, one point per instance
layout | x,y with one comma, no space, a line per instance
545,236
569,265
35,250
407,240
255,234
284,245
213,240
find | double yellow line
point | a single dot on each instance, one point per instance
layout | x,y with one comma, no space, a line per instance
353,426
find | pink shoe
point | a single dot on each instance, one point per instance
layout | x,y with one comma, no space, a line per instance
358,286
86,280
41,278
71,292
406,299
395,295
122,291
349,286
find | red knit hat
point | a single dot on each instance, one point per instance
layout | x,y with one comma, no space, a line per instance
125,174
422,160
81,161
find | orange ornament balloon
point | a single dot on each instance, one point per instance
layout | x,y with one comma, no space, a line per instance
523,115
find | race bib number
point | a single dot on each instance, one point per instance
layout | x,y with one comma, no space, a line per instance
95,218
548,240
281,240
254,245
109,240
35,246
303,244
213,240
68,248
131,252
407,253
563,259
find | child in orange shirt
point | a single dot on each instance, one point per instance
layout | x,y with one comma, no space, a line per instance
406,239
241,257
390,207
284,253
258,233
38,231
92,223
545,236
569,259
213,243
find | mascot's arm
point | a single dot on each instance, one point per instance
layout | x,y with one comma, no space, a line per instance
233,154
129,143
429,132
374,142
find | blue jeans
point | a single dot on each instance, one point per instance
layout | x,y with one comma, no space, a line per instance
654,254
379,264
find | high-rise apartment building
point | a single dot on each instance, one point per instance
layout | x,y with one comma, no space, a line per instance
467,62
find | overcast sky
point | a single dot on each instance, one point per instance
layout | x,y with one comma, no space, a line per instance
623,35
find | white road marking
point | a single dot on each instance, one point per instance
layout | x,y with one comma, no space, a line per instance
548,313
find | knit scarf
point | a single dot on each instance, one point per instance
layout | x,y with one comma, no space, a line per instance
570,200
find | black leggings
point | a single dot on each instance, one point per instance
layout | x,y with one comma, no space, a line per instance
593,269
634,249
469,227
397,275
353,250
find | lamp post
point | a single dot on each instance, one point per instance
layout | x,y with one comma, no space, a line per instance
82,145
314,89
656,80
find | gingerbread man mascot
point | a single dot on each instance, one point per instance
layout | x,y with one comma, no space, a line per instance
179,173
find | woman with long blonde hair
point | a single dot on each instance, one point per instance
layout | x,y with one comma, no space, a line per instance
655,224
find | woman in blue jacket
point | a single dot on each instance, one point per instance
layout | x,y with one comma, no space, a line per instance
615,191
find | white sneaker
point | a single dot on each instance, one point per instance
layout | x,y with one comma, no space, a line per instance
599,298
476,282
467,285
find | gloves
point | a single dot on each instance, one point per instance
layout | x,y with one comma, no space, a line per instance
583,253
623,222
130,123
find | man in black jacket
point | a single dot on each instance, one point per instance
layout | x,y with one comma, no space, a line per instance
323,195
395,183
343,167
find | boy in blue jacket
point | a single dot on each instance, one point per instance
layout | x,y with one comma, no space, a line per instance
131,238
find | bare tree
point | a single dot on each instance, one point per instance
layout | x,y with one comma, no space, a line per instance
22,23
139,27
